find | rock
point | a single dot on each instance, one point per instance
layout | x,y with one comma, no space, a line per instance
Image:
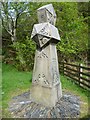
67,106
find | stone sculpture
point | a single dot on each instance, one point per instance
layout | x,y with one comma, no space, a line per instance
46,85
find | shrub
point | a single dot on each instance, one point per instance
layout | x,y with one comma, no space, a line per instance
24,57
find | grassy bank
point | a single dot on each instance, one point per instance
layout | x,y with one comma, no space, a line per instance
15,82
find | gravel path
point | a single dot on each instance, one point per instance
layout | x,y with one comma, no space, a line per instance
22,107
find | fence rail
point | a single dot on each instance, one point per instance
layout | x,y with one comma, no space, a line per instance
78,73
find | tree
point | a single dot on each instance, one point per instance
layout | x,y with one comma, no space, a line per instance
73,31
10,14
83,8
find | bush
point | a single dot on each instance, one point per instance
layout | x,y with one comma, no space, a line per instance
24,57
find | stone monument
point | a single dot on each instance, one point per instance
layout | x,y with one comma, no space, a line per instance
46,85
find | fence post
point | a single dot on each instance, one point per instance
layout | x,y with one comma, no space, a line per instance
79,73
63,68
81,70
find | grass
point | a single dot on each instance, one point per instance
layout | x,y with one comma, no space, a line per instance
69,86
15,82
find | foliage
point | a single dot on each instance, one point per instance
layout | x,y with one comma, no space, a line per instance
73,31
83,8
25,51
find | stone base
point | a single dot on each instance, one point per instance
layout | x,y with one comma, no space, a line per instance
22,107
47,96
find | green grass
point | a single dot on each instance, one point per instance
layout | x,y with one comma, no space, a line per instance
69,86
15,82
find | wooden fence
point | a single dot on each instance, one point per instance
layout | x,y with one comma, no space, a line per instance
78,73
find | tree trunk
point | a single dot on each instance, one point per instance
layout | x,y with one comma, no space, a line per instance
13,37
14,31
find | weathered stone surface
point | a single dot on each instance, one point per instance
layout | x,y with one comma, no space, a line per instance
66,107
46,14
43,33
46,86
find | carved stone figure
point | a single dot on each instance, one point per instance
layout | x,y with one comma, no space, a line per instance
46,85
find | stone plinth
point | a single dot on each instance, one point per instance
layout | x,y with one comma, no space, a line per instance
46,86
68,106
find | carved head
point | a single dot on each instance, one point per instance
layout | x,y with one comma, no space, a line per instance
46,14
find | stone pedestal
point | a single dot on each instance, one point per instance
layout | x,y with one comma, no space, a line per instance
46,86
